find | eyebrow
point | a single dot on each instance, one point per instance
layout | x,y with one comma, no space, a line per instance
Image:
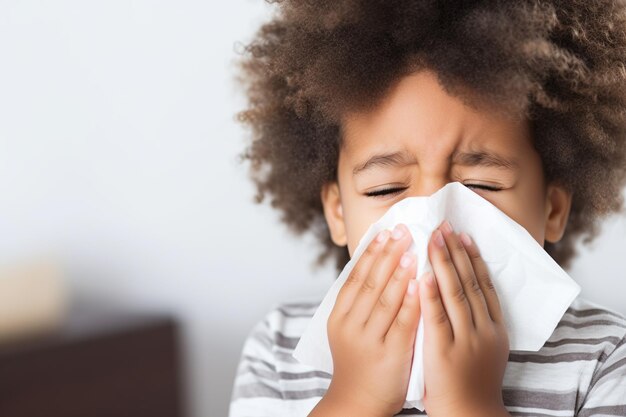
484,158
404,158
395,159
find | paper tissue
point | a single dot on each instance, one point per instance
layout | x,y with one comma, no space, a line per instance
534,291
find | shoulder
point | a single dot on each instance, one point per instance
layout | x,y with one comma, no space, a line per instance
587,341
591,328
276,334
585,336
592,324
583,307
285,322
293,316
592,337
269,380
590,319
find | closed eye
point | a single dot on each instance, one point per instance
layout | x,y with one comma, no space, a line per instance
396,190
385,191
483,187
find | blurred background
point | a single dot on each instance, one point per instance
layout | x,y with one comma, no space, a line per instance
133,261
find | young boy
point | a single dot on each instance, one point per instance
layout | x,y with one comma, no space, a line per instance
356,105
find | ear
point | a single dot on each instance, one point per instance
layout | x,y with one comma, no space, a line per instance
333,211
558,205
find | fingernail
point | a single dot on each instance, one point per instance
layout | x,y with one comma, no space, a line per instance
397,232
412,286
439,238
466,239
406,260
382,236
447,227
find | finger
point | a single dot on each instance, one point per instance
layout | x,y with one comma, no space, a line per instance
348,291
452,293
380,272
403,328
484,279
437,326
390,301
465,272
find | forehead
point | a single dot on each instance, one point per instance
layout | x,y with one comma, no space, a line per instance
418,112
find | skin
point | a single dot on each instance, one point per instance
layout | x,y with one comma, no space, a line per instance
374,321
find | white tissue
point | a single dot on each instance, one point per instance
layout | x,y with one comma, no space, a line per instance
533,290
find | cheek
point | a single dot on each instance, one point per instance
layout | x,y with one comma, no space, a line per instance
354,231
526,210
357,221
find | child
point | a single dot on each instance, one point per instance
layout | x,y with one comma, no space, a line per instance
355,105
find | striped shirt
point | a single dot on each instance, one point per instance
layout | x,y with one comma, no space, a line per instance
580,371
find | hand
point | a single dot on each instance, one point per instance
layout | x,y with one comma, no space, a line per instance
465,340
372,328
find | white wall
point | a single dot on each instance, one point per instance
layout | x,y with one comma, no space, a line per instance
118,155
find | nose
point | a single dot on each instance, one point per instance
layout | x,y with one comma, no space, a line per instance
428,185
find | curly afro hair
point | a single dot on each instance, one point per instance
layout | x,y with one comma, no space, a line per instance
559,63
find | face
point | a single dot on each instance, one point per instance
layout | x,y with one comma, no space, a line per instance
417,140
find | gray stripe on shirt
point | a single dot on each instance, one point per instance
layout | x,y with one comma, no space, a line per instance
615,410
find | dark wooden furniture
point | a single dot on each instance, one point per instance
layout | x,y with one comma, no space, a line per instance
98,364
